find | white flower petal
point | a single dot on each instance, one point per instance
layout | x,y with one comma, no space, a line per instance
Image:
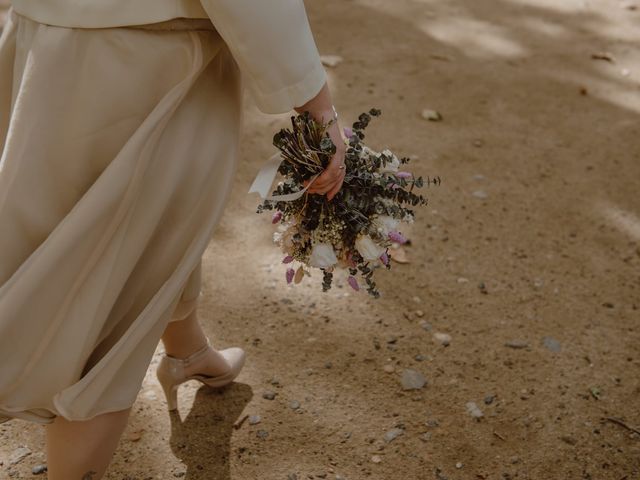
322,255
368,248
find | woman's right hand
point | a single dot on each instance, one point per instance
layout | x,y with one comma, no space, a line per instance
330,180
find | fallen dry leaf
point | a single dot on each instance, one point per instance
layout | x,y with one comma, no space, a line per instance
399,255
603,56
136,435
331,60
431,115
299,274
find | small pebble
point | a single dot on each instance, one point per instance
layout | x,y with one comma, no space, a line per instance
516,344
294,405
412,380
419,313
376,459
480,194
488,400
389,368
38,469
459,465
431,115
442,338
419,358
269,395
255,419
392,434
440,475
551,344
473,410
425,325
262,434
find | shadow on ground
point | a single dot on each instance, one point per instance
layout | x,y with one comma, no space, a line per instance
202,440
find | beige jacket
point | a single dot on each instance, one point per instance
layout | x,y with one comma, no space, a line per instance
271,40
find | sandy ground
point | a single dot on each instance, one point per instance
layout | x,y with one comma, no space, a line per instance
539,155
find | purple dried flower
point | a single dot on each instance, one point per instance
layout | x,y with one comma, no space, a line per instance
276,217
384,258
290,273
348,132
404,174
353,282
287,259
397,237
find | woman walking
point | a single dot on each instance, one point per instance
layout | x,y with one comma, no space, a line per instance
119,130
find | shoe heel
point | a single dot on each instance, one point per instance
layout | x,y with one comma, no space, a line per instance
166,375
171,393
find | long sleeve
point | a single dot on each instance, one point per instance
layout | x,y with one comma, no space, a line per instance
272,42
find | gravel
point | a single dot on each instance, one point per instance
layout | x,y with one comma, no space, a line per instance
474,410
392,434
551,344
255,419
442,338
480,194
412,380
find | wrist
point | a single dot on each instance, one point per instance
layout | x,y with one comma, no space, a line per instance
319,107
323,115
335,133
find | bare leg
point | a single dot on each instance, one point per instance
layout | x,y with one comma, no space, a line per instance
82,450
183,337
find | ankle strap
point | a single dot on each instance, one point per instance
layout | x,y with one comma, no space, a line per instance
195,355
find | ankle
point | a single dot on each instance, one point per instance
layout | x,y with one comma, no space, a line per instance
184,337
189,354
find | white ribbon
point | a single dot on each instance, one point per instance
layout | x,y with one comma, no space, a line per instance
263,181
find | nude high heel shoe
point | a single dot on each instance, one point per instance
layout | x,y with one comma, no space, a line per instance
171,371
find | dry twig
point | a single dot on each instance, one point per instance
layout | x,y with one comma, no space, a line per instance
622,424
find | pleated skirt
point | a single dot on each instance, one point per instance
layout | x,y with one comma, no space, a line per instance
119,147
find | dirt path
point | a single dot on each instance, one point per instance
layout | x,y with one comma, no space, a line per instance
539,155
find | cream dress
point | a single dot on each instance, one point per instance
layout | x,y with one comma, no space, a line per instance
119,147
